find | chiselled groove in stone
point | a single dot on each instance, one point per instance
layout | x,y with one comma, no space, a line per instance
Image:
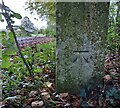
81,51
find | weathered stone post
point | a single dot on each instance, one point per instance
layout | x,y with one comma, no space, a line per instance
81,32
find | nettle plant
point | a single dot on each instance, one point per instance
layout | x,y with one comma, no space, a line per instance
18,64
7,38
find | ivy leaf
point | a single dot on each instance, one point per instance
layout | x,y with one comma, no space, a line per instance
112,101
82,92
22,28
12,22
111,92
0,53
11,50
17,15
2,34
117,95
5,62
2,20
11,37
0,17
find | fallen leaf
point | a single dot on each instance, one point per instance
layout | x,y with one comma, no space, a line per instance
2,104
64,96
28,101
107,78
37,104
67,104
33,94
50,86
100,101
114,74
45,95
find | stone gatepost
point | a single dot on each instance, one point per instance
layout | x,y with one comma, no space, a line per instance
80,44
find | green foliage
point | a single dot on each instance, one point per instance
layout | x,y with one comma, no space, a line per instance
43,9
39,59
5,62
48,32
17,15
113,38
10,48
112,94
16,71
11,14
46,11
0,17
